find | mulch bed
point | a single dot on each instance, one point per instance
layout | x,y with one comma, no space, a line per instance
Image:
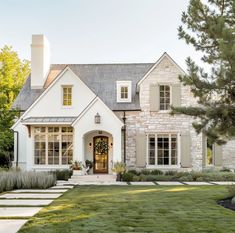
226,203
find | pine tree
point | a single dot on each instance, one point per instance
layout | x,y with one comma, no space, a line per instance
209,26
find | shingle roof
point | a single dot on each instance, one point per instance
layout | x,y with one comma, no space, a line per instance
100,78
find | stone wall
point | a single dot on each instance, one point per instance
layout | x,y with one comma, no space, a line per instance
229,154
146,122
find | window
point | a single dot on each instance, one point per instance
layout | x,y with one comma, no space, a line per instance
123,91
67,96
165,97
53,145
209,153
162,149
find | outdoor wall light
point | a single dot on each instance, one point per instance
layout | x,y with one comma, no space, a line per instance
90,144
111,145
97,118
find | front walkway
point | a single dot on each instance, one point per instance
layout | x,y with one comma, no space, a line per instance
17,206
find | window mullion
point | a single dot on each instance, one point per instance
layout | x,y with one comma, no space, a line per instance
156,147
169,149
46,137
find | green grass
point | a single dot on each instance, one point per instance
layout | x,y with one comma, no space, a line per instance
136,209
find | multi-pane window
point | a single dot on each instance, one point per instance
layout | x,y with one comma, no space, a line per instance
124,92
40,145
53,145
151,149
165,97
67,96
67,145
162,149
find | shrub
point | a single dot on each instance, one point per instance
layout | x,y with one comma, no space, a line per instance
136,178
225,169
127,177
134,172
64,174
145,172
233,201
231,190
156,172
170,173
26,180
186,178
142,177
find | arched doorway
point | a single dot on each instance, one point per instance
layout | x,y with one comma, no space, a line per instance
98,149
100,154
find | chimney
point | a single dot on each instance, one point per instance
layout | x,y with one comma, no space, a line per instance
40,61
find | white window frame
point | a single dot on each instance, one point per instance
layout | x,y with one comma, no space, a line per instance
165,84
156,150
62,96
46,148
121,84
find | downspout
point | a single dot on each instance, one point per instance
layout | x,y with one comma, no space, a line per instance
17,147
124,136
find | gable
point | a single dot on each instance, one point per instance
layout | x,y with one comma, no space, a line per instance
164,70
49,103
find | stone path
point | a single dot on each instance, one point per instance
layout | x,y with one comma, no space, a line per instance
150,183
25,203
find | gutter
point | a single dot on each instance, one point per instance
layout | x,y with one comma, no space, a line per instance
17,147
124,135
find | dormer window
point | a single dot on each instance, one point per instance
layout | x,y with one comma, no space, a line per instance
67,96
123,91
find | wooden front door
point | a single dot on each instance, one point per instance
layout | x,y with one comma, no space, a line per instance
101,157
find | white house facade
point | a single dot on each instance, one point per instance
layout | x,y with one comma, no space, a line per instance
108,113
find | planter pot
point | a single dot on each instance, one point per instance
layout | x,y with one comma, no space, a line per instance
119,177
77,172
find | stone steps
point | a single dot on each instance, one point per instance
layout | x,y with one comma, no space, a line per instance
93,178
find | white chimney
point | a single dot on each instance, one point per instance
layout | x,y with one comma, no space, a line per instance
40,61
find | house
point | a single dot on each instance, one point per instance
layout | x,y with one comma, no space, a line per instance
107,113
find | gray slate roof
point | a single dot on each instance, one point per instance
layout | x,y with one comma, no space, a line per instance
100,78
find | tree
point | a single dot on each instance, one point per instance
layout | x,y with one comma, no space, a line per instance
209,26
13,73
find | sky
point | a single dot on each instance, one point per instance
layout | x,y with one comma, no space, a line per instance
97,31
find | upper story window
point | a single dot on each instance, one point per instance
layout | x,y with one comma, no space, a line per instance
165,97
123,91
67,96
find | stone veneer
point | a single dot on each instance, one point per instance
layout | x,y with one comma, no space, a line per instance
229,154
144,121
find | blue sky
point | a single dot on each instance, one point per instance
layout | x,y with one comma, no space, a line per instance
96,31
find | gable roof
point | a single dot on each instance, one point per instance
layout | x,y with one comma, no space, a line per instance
165,55
100,78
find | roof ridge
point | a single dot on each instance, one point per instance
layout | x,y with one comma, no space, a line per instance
74,64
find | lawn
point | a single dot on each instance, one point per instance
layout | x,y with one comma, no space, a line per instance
136,209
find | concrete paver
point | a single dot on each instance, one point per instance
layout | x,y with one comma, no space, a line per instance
142,183
23,202
31,195
11,226
197,183
19,211
62,187
39,191
168,183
